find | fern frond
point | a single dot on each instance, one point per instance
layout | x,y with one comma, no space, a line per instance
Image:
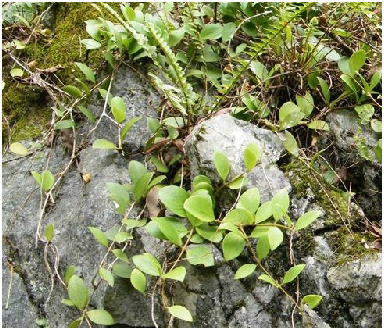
270,33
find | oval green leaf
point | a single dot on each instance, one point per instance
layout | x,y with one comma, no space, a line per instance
268,279
177,274
249,200
147,263
289,115
107,276
200,207
200,255
122,269
244,271
357,60
275,237
47,180
306,219
239,217
221,164
73,91
18,148
63,124
292,273
118,109
319,124
103,144
138,280
233,244
89,74
252,156
170,228
211,31
100,316
78,292
311,300
181,313
99,235
173,197
49,232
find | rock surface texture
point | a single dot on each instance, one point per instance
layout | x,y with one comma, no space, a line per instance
351,290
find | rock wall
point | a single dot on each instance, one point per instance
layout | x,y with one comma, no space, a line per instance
351,290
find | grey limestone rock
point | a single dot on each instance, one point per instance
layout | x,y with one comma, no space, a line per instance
231,136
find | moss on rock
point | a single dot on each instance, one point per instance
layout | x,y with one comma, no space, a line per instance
343,220
25,106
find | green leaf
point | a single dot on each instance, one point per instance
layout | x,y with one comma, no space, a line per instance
160,166
239,217
63,124
259,70
289,115
268,279
49,232
122,236
264,212
376,77
100,316
211,31
99,235
228,31
290,144
142,185
73,91
78,292
365,112
252,156
177,274
68,302
37,177
91,44
318,124
200,207
280,204
69,273
128,126
357,60
343,65
305,103
173,197
170,227
138,280
176,36
147,263
47,180
311,300
244,271
119,254
153,124
262,247
118,109
103,144
18,148
16,72
89,74
87,113
221,164
249,200
136,170
200,255
181,313
120,195
324,89
122,269
275,237
350,83
210,233
306,219
107,276
238,182
376,125
292,273
233,244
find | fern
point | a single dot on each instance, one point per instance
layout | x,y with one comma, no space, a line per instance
270,34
